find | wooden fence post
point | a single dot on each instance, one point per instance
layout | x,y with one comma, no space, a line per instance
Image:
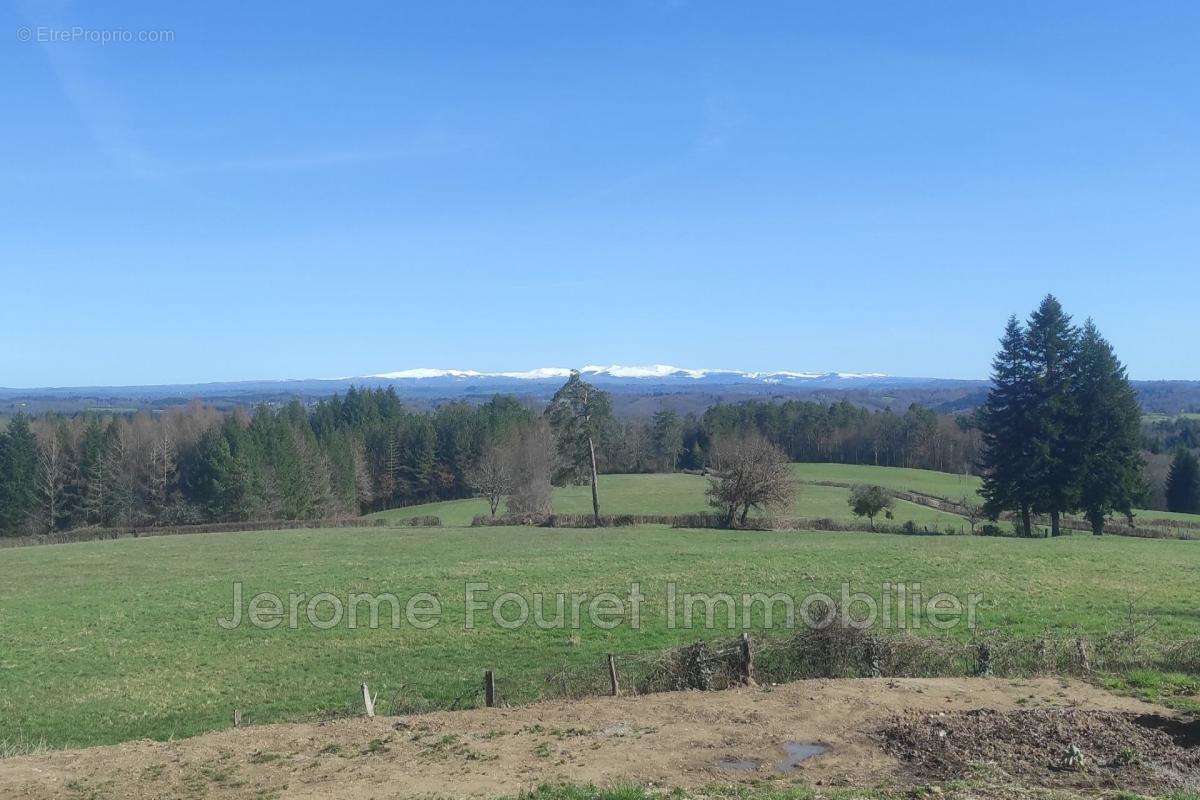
747,660
985,661
368,701
874,663
237,718
489,689
1081,646
612,675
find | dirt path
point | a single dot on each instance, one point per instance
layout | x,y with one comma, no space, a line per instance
687,739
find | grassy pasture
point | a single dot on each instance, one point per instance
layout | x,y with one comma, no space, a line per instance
109,641
681,494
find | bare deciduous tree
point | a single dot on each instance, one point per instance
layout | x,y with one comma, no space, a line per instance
529,462
972,510
52,477
490,474
754,474
162,479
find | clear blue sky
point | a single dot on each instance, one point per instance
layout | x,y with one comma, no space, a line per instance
314,190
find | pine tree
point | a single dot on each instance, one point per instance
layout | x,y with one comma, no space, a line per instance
1054,465
1183,483
1006,422
389,477
18,476
1107,432
207,475
93,469
418,476
579,414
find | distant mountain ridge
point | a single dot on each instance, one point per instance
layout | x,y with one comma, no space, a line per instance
616,372
637,389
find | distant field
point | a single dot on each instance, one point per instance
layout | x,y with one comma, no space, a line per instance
682,494
1158,417
117,640
925,481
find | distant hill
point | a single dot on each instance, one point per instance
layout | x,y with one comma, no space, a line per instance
636,390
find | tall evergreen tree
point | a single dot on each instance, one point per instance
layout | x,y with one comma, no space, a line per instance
1183,483
1054,465
18,476
208,476
1006,421
1107,432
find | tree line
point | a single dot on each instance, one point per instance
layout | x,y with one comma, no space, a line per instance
340,457
845,433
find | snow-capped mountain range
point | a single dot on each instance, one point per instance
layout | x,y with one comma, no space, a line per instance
691,389
618,372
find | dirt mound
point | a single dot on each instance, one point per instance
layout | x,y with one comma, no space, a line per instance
819,733
1067,747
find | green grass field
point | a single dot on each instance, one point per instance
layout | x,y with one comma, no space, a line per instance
682,494
676,494
108,641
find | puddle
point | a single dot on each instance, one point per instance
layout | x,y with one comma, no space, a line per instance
797,752
794,754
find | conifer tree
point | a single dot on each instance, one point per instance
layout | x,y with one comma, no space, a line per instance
1107,432
1183,483
1054,464
578,414
1007,422
18,476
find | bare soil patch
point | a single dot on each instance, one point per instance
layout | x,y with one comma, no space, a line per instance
1052,747
819,733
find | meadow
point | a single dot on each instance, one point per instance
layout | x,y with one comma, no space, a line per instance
108,641
684,494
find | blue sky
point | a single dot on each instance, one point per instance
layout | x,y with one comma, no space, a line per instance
311,190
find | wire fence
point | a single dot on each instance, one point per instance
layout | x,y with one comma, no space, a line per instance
837,650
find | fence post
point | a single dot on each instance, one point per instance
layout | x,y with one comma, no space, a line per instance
985,661
489,689
1081,647
874,663
368,701
612,675
237,718
747,660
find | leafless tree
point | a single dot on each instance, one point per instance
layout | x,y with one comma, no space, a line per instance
317,491
530,463
972,510
754,474
52,476
362,475
490,474
161,483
